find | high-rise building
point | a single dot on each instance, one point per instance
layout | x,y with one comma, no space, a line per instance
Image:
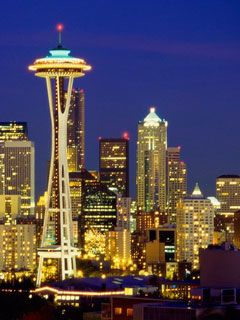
98,215
76,131
39,214
59,69
17,164
75,184
228,194
114,164
124,213
17,238
17,158
13,130
98,206
118,241
151,163
195,226
118,249
176,181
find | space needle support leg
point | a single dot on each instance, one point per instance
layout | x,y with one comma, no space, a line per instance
71,260
46,215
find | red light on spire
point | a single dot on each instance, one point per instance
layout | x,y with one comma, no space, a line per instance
59,27
125,135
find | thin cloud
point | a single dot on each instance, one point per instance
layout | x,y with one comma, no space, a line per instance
225,51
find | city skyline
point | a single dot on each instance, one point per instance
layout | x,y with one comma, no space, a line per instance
201,102
120,191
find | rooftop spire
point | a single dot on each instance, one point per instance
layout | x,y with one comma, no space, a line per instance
59,28
197,193
152,119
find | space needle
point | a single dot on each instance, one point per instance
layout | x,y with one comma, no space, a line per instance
59,69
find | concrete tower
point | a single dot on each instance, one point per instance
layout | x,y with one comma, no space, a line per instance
59,69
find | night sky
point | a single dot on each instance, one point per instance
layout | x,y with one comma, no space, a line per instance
182,56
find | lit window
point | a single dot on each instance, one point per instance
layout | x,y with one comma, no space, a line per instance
118,311
129,312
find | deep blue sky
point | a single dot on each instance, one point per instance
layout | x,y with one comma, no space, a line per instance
182,56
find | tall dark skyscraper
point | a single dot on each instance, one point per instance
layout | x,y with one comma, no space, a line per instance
76,131
114,163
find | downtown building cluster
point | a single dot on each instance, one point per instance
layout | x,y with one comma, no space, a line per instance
88,215
160,233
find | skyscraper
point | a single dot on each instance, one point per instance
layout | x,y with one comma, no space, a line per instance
228,194
19,171
151,163
114,164
59,69
17,176
76,131
176,181
195,226
98,205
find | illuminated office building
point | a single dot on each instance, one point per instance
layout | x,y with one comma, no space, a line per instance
114,164
76,131
13,130
59,69
17,164
144,222
161,250
118,249
151,163
17,160
176,181
228,194
160,246
93,206
39,214
118,241
17,239
195,226
123,213
98,206
75,184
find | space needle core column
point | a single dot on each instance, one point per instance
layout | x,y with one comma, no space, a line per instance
59,69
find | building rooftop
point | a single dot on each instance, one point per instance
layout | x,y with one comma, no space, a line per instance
228,176
197,193
96,284
152,119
